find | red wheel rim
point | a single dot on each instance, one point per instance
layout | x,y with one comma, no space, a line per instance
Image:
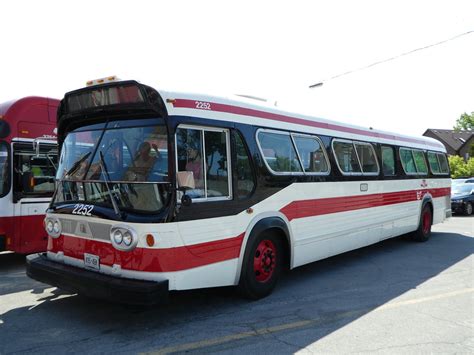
264,260
426,222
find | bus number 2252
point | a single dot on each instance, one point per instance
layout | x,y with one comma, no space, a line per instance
84,210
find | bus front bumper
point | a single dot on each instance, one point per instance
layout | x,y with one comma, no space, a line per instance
95,285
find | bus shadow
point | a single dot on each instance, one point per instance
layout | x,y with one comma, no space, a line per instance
13,277
324,296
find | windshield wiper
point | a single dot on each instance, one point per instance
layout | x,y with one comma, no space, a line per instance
107,180
76,165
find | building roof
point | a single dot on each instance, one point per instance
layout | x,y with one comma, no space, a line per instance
454,139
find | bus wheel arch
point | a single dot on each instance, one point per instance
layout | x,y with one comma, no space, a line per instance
266,253
423,233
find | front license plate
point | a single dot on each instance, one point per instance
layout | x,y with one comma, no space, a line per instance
92,261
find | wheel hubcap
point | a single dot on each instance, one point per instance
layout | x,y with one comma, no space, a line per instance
264,260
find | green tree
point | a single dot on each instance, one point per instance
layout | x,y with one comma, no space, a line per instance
465,122
460,168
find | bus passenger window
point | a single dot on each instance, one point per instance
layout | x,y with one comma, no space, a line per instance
346,157
245,179
217,177
408,162
204,153
420,162
367,159
443,163
279,153
388,161
433,162
312,154
190,152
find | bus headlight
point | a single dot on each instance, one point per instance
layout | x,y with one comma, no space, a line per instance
49,226
53,226
127,238
123,237
118,236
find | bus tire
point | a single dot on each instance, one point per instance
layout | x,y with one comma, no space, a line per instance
262,265
423,233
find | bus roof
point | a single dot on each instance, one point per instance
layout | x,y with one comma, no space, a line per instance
30,117
238,109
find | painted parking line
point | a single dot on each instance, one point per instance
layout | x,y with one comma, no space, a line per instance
303,323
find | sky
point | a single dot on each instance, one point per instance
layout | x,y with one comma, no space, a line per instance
271,49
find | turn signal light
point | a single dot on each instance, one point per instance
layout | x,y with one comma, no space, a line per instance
150,240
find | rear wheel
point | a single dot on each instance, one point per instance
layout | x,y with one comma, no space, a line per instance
468,209
422,234
261,266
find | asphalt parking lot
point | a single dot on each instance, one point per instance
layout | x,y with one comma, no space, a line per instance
390,298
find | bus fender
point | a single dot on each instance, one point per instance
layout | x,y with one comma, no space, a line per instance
258,225
427,198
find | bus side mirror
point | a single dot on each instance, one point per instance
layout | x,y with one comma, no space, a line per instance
185,181
186,200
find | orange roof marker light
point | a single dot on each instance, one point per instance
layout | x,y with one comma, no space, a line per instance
107,79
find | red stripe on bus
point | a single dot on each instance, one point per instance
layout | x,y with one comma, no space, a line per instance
323,206
191,256
185,103
151,260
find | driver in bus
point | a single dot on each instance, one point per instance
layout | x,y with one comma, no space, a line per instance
144,161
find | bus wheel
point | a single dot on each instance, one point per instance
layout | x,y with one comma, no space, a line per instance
261,266
422,234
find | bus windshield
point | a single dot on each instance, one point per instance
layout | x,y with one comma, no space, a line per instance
128,157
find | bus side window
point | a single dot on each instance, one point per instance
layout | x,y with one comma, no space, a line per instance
408,162
4,169
433,163
35,174
346,157
388,161
443,163
244,176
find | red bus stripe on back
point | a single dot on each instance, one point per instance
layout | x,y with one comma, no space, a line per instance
322,206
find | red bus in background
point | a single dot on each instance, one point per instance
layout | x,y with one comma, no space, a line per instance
28,160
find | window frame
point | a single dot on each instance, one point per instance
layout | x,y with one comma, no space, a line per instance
438,154
236,133
9,163
429,164
228,155
16,185
414,161
375,157
273,172
323,148
353,142
382,146
424,159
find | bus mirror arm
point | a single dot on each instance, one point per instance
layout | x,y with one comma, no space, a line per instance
186,200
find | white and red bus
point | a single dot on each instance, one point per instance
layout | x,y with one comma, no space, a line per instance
160,191
28,155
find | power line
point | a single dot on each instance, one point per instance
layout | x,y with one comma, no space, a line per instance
391,58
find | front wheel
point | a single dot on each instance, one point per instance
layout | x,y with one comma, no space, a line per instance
261,266
422,234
